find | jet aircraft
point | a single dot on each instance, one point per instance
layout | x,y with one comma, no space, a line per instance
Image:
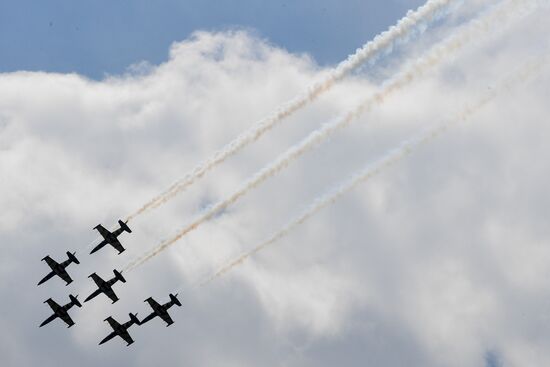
61,311
59,268
161,310
105,286
121,329
111,238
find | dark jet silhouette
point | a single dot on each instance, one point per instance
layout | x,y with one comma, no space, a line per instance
161,310
111,238
61,311
59,268
121,329
105,286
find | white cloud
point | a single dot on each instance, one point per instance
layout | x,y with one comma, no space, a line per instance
437,261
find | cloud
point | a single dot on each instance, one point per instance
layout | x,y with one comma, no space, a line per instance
441,260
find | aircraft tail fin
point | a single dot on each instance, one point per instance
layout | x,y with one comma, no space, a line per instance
134,318
119,276
174,299
72,257
124,226
74,300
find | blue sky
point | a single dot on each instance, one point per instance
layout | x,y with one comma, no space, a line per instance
101,37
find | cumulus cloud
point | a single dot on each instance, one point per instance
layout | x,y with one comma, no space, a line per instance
440,260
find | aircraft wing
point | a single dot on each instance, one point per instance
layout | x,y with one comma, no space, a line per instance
96,278
111,294
102,230
65,317
117,245
53,305
154,304
124,335
166,317
51,262
103,243
114,324
64,275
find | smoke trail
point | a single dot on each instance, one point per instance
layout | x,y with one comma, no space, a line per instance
497,17
385,40
371,170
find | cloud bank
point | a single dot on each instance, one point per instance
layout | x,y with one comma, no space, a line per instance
441,260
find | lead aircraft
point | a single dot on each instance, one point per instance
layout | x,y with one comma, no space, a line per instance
111,238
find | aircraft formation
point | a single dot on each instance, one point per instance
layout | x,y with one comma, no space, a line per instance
103,287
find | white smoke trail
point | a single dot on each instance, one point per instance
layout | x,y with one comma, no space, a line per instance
430,11
371,170
385,40
497,18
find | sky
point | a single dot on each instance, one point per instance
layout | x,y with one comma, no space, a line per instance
440,259
98,38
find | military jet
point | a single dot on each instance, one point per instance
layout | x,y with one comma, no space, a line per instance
105,286
161,310
59,268
61,311
121,329
111,238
